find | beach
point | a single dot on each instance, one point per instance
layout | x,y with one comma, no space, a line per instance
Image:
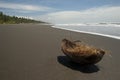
32,52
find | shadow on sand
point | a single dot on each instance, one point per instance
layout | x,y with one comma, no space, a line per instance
74,66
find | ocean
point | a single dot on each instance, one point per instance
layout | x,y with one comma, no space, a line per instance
108,30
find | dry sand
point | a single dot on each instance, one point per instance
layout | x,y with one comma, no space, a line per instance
32,52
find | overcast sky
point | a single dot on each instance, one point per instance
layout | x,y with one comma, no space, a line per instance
64,11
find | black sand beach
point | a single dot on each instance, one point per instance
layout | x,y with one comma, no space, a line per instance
32,52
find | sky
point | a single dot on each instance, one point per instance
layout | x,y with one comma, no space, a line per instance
64,11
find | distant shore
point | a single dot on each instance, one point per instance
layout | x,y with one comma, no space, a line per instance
7,19
32,52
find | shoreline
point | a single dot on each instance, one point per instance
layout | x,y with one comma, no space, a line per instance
92,33
33,52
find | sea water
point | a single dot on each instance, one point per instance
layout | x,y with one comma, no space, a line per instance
108,30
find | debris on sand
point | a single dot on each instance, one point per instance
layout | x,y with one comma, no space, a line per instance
81,53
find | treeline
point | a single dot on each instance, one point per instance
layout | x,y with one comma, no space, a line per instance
6,19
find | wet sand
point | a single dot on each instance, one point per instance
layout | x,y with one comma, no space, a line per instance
32,52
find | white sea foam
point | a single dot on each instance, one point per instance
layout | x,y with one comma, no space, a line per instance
88,32
92,24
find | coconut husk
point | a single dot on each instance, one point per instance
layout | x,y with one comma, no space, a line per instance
80,52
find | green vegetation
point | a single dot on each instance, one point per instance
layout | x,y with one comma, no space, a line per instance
6,19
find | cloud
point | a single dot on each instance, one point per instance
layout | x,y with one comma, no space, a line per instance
93,15
23,7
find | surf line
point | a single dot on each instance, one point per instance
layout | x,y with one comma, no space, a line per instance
105,35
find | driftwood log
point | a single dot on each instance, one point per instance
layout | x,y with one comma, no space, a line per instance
81,53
